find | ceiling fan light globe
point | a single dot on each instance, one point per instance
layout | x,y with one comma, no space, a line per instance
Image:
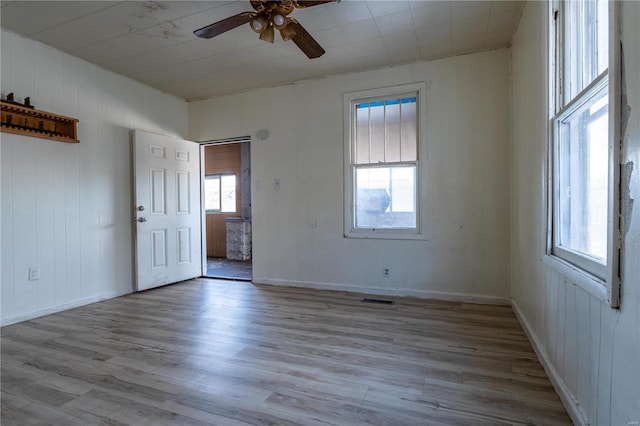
259,24
279,21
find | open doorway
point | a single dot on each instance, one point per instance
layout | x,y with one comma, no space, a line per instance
227,203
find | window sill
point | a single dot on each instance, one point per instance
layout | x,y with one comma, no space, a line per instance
592,285
385,236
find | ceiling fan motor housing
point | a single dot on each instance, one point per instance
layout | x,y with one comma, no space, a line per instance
272,14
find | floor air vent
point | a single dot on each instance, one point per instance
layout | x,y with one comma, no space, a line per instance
380,301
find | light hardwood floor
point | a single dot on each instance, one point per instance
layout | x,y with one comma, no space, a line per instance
231,353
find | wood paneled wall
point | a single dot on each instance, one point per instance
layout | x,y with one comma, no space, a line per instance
66,208
589,349
222,159
298,226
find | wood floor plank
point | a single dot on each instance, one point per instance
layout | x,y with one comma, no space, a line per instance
207,352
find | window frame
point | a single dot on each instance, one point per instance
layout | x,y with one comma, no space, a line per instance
350,99
602,281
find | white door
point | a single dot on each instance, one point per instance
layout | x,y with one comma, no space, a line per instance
168,214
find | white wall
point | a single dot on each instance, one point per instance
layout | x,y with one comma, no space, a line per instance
466,176
66,208
591,350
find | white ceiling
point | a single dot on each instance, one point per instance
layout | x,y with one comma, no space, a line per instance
153,41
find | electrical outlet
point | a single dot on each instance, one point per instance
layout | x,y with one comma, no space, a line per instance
34,273
385,272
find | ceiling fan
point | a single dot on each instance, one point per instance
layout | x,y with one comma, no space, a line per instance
270,15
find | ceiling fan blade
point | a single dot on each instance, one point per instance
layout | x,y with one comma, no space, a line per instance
223,26
305,42
304,3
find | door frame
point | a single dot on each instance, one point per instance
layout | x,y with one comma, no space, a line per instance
203,212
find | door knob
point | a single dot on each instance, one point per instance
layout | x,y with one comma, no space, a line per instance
140,208
142,219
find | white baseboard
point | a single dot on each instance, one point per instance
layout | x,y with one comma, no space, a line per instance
568,399
399,292
63,307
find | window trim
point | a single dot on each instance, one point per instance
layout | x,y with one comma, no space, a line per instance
606,287
349,98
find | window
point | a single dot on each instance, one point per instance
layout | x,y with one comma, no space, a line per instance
382,153
220,193
583,133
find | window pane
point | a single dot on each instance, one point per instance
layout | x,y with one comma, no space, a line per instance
228,193
587,43
385,131
602,15
362,134
372,189
385,197
583,154
212,193
392,137
409,131
377,132
403,183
